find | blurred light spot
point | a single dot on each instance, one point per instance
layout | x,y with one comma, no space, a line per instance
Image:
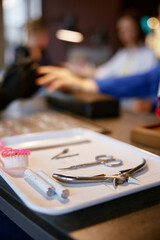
70,36
153,23
144,25
9,3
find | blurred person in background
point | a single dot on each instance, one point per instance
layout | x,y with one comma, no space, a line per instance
38,40
136,86
142,86
36,43
133,57
18,81
125,76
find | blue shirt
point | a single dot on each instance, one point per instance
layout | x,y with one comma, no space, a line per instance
141,85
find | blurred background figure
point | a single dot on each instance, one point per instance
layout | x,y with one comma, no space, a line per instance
37,40
136,86
84,60
35,44
134,57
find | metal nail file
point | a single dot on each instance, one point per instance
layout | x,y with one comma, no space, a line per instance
45,144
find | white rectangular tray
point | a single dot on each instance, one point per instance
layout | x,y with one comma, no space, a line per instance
81,195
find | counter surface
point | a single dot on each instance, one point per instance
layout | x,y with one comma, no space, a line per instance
131,217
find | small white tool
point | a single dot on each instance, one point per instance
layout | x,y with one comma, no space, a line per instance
42,185
59,189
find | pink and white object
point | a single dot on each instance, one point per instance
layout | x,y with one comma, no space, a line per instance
15,158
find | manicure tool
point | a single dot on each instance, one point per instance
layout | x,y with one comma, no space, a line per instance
120,178
66,150
107,160
67,156
39,145
59,189
38,182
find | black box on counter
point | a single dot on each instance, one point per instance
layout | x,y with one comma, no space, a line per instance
89,105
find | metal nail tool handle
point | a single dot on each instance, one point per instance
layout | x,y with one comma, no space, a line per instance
120,178
78,179
108,160
68,156
112,162
66,150
39,145
80,166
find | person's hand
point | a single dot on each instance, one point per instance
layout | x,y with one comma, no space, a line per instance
57,78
